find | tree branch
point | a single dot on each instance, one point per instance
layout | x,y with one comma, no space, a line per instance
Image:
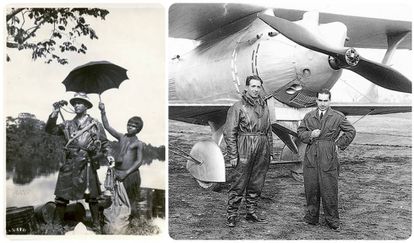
12,45
23,21
36,28
12,14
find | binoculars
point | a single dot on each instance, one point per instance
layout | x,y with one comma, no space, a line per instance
60,103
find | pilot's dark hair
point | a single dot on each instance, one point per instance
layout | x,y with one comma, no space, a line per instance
253,77
137,121
325,91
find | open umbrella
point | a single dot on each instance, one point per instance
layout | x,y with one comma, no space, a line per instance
95,77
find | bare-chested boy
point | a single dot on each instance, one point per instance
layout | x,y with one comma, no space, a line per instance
129,158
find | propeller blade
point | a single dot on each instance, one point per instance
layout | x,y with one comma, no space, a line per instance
382,75
377,73
301,35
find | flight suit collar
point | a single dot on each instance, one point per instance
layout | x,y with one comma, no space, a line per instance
253,101
328,112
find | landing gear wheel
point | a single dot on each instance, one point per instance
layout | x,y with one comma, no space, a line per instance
205,184
206,164
211,186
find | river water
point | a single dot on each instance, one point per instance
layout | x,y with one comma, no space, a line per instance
41,189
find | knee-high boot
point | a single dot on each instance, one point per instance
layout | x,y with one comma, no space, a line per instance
59,214
96,216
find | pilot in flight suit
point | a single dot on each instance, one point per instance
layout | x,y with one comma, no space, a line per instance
320,130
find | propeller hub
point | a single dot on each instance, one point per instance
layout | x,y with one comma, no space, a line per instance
335,63
352,57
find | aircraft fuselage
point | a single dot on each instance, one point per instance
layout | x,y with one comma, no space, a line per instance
215,71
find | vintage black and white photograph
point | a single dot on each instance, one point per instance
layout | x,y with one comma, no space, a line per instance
290,121
85,116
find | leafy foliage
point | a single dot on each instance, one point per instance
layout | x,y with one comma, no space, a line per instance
30,151
63,28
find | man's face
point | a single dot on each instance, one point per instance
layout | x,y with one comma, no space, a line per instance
254,88
80,107
323,102
132,128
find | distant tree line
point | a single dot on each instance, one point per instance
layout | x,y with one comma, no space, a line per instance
149,152
31,152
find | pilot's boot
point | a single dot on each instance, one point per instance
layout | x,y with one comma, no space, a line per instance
255,185
233,207
251,203
96,217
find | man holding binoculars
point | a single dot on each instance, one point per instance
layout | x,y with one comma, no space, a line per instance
86,144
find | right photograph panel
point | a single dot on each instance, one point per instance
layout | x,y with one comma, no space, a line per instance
290,122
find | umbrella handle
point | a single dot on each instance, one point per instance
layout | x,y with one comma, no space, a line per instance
100,101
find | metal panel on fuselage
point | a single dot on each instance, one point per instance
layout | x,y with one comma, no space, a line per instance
215,71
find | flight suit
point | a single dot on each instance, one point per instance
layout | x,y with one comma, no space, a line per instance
320,165
248,136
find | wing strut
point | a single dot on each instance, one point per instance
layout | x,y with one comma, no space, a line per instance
363,116
281,132
393,41
217,131
184,154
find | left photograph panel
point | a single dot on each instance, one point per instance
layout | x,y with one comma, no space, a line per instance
84,103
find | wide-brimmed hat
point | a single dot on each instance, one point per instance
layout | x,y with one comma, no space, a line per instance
83,98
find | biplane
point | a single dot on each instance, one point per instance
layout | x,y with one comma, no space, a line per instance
296,54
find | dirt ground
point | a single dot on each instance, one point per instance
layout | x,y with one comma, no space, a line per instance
374,190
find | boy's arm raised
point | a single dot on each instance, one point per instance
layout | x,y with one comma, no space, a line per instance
105,123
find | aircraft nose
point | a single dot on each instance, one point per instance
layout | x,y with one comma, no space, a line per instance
276,62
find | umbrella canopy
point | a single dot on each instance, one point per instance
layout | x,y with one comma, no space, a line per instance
95,77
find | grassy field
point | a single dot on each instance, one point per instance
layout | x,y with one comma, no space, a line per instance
374,190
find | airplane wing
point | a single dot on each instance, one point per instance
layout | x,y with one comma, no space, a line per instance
198,114
201,114
195,20
355,109
363,32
